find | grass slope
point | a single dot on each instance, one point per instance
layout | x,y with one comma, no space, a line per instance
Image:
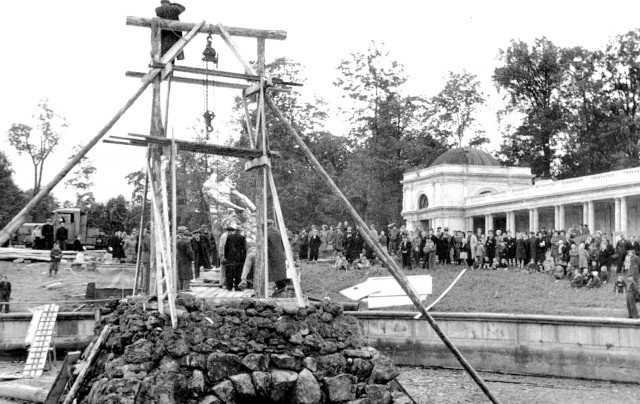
511,291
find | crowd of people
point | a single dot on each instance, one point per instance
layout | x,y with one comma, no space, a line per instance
586,259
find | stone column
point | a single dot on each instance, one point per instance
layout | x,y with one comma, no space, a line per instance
508,224
536,220
531,220
488,222
591,215
560,217
616,226
585,213
623,214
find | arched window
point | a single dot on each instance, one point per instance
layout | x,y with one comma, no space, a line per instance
423,202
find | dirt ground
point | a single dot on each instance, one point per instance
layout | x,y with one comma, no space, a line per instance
27,280
439,386
16,367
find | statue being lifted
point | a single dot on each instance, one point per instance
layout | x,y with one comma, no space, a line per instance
227,206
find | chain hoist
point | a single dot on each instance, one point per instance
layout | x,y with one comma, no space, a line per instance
209,56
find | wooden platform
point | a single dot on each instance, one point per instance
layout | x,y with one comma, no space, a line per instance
216,293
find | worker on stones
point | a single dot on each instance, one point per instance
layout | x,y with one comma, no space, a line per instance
168,38
145,256
276,258
62,234
47,234
633,276
235,252
184,258
5,293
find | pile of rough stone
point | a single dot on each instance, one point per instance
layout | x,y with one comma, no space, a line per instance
255,351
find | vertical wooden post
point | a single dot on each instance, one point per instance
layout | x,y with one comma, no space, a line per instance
261,272
174,208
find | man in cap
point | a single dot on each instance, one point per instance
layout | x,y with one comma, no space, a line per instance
47,234
168,38
235,252
184,258
62,234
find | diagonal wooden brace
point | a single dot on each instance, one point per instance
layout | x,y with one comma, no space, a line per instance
257,162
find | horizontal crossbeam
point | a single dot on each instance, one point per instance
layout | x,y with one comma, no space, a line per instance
219,73
208,28
135,139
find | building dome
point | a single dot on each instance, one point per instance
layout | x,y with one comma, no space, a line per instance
466,156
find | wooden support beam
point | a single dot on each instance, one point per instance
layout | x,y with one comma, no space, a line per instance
226,36
216,73
388,262
85,370
63,377
288,252
199,82
208,28
205,148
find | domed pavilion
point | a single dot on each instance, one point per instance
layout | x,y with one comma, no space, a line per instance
467,188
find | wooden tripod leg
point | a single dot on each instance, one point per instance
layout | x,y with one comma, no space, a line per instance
293,273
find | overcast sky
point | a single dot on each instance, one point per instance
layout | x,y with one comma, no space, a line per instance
75,53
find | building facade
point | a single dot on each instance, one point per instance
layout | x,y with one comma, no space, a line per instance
466,189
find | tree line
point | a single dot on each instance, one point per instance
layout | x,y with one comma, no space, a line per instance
567,112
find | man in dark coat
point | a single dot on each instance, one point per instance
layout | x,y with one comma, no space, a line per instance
276,257
5,293
405,250
184,258
47,234
350,246
235,253
314,245
200,259
170,11
62,234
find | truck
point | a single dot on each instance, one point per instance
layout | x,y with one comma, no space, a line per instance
76,221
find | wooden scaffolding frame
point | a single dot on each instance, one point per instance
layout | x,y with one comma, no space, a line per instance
159,164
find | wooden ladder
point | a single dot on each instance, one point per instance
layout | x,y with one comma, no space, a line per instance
41,343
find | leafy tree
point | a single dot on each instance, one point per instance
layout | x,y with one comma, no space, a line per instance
38,139
454,106
81,179
387,134
532,76
43,209
13,199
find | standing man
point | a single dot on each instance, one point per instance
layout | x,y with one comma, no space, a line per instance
633,275
170,11
62,234
276,258
405,249
184,258
235,253
199,255
223,242
394,233
47,234
145,256
5,293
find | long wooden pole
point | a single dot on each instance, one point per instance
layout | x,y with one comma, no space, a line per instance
285,241
136,283
207,28
92,357
174,206
391,265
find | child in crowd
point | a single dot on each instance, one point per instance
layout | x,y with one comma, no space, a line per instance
363,262
574,259
56,257
429,254
577,281
486,263
341,262
480,251
521,250
583,258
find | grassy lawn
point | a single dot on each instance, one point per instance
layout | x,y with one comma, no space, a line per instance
511,291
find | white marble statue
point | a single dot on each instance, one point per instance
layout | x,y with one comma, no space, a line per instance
227,205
